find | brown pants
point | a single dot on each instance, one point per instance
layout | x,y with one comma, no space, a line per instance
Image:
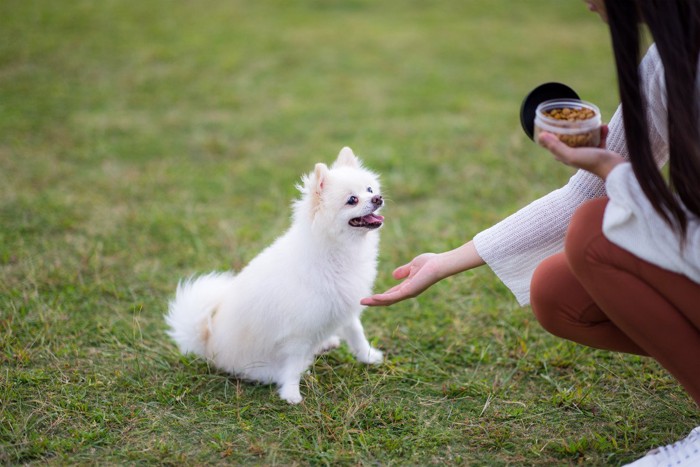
600,295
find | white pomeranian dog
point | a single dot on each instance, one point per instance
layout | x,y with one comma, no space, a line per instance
298,297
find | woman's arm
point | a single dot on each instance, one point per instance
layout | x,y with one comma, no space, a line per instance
512,248
515,246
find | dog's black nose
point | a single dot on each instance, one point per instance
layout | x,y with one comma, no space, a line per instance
377,200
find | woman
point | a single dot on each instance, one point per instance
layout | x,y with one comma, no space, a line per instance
628,278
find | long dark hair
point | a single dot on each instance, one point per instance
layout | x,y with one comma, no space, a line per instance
675,29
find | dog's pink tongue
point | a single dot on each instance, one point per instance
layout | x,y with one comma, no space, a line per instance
373,218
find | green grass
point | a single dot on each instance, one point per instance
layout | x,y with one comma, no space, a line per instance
141,142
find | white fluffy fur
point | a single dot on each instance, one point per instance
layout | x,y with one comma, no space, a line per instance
297,296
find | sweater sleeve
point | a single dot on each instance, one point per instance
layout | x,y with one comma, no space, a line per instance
515,246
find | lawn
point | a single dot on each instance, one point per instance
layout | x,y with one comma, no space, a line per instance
142,142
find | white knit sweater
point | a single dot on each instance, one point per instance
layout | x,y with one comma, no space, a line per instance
515,246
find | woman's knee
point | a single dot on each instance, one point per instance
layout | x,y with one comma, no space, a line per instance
546,294
560,302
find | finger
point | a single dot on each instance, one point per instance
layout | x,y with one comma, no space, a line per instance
381,299
556,147
394,289
395,294
370,301
402,271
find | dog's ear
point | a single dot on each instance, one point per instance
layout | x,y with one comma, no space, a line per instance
320,176
347,158
320,173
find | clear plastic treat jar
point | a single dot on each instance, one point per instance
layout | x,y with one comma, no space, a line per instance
576,123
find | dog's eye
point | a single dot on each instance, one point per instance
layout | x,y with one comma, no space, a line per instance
369,189
352,200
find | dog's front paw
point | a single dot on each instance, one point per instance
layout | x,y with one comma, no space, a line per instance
290,394
372,357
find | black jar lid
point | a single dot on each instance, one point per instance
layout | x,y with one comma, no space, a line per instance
541,93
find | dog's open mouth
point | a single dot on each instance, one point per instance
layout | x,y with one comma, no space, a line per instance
370,221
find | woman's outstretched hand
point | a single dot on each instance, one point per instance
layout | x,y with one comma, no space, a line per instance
425,270
422,272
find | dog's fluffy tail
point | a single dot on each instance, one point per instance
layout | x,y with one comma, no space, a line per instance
190,312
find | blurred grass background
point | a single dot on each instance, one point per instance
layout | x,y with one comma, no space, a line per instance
141,142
